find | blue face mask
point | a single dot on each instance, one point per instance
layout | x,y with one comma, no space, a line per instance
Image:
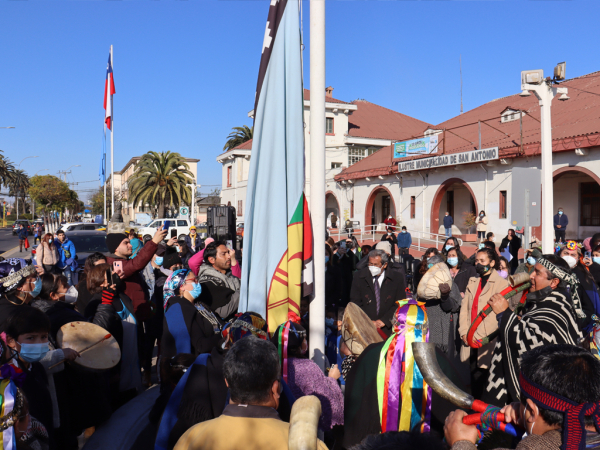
33,352
596,259
404,231
531,260
560,213
37,288
329,322
159,261
196,290
448,247
326,259
453,261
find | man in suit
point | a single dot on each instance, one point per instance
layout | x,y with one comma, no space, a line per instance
376,289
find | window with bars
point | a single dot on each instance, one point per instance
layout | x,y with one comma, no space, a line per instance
355,154
589,205
503,204
413,201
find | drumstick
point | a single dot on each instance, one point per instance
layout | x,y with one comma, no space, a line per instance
84,350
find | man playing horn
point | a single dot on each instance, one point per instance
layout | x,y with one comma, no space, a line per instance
547,318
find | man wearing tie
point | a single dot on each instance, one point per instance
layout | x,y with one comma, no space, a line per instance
376,289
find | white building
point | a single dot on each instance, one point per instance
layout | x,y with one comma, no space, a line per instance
354,130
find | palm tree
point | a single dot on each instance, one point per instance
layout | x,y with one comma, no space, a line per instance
160,179
238,136
18,183
6,170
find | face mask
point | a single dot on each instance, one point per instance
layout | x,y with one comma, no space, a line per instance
326,259
481,245
159,261
404,231
596,259
448,247
33,352
178,248
560,213
503,273
481,215
375,271
493,239
71,295
196,290
49,241
481,269
572,262
531,260
36,289
329,322
453,261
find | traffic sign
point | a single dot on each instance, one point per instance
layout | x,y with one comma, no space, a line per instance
184,211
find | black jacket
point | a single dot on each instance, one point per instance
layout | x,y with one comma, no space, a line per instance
392,290
202,336
333,285
465,273
398,267
515,245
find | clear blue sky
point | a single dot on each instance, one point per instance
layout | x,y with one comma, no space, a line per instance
185,71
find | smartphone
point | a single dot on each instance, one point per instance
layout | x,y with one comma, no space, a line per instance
229,244
588,255
118,267
166,225
343,245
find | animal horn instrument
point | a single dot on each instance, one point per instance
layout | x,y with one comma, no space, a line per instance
304,422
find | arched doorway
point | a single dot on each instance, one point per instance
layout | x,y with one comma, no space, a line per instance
332,210
577,190
379,206
455,196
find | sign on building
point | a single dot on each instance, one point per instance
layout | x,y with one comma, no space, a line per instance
453,159
425,144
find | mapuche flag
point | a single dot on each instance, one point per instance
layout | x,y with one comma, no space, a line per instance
277,269
109,90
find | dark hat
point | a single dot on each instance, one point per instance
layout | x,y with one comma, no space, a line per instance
13,272
160,250
171,258
113,240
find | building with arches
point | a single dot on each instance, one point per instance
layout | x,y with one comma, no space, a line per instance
470,168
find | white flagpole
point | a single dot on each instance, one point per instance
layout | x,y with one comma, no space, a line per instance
317,176
112,143
104,221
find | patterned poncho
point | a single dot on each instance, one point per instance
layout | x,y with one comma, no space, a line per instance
547,318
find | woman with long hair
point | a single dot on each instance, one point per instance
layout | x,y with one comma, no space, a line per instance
461,271
46,254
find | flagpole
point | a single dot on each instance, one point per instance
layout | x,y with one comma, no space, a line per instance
317,176
104,221
112,135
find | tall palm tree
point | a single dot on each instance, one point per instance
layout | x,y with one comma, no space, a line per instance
6,170
160,179
238,136
18,183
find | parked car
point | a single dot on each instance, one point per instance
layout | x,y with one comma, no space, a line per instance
86,242
177,227
81,226
23,222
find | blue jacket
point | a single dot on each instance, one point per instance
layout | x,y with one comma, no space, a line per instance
66,252
448,221
22,233
563,221
404,240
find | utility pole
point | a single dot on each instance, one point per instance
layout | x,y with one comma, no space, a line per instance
193,186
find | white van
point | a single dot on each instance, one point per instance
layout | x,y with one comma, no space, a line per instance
177,227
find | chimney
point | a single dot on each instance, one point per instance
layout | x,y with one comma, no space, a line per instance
328,91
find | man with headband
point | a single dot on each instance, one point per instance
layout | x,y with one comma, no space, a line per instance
559,402
548,317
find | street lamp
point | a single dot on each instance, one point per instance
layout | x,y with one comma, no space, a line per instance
533,80
33,202
27,157
193,186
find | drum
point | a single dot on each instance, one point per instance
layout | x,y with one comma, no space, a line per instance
358,331
429,286
79,335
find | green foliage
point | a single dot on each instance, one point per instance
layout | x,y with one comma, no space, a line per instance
160,179
6,170
97,201
51,193
238,136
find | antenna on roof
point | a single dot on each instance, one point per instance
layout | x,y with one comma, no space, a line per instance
460,65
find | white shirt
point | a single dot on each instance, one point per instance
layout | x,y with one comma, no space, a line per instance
379,278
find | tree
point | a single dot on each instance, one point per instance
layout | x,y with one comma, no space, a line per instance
97,201
50,193
6,170
160,179
18,184
238,136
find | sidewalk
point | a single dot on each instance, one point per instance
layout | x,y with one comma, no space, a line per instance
14,253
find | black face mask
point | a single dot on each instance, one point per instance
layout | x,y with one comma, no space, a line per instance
481,269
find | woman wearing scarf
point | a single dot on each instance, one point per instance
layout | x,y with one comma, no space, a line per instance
304,377
189,326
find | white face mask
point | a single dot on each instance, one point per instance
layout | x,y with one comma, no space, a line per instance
71,295
492,239
572,262
375,271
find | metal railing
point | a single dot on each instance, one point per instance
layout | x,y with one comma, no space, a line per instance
421,240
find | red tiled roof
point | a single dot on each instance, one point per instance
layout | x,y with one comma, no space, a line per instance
327,98
575,124
374,121
244,146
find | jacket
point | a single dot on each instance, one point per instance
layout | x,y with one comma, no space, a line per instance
404,240
514,246
391,238
194,248
134,283
392,290
44,254
220,292
448,221
66,252
494,285
561,220
23,233
462,278
482,223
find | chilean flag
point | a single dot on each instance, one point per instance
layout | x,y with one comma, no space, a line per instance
109,90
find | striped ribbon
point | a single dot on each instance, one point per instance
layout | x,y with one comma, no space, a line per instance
403,396
8,392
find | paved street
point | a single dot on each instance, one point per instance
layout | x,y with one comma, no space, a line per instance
8,242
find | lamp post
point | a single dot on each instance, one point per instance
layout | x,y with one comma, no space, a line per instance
27,157
193,186
533,80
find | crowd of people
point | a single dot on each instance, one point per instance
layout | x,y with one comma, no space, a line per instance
226,382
